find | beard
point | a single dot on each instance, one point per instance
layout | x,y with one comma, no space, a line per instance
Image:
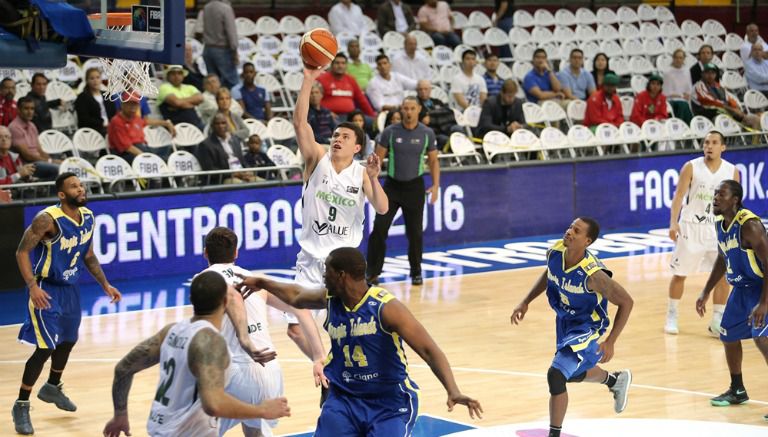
74,202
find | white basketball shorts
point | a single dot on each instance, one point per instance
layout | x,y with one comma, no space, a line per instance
695,250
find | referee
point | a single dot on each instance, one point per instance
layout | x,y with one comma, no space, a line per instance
405,145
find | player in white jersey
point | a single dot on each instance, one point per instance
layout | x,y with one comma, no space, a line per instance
333,199
251,382
694,234
190,394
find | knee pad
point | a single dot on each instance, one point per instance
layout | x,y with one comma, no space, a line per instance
556,381
65,346
578,378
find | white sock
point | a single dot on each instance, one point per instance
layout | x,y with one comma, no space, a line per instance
672,306
717,311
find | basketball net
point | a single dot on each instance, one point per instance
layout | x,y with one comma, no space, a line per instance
125,79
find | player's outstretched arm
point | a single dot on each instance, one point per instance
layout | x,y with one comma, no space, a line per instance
753,237
237,315
717,273
93,265
395,317
683,184
208,360
539,287
146,354
42,228
617,295
372,187
289,292
310,150
309,327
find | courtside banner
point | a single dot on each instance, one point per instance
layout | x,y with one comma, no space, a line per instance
163,235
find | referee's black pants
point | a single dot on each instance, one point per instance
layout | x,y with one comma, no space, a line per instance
408,195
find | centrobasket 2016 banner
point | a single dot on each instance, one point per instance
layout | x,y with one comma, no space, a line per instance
163,235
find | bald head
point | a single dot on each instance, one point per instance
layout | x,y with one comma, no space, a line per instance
423,89
753,32
410,45
5,140
757,51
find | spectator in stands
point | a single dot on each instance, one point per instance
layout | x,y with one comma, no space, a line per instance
220,41
209,107
502,112
410,62
8,110
756,69
441,118
492,80
235,122
320,119
393,117
575,81
678,87
358,118
126,130
504,20
346,16
435,19
705,57
12,170
750,39
145,112
541,83
25,142
468,88
341,94
43,119
710,99
650,104
600,68
92,109
255,157
387,88
222,151
359,70
394,15
194,76
254,100
178,100
604,106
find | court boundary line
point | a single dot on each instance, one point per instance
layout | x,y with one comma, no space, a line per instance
456,369
404,281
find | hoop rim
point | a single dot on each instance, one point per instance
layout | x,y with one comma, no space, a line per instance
115,18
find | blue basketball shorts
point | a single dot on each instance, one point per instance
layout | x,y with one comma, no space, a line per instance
48,328
574,363
344,415
734,326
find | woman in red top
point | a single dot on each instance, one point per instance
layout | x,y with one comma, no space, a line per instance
650,104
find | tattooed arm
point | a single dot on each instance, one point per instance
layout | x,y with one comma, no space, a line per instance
42,228
208,360
146,354
93,265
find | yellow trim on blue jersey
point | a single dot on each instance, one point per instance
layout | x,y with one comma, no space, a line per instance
57,212
582,346
400,353
559,246
48,259
753,262
38,333
362,300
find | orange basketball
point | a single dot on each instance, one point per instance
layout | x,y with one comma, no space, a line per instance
318,48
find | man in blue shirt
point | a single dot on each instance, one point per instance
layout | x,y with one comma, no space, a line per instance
492,80
541,82
253,98
756,69
576,82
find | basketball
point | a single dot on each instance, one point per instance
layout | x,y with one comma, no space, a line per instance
318,48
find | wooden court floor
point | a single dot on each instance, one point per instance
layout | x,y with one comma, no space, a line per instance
502,365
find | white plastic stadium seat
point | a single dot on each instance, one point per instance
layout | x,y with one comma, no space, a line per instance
631,133
269,45
554,140
157,137
607,16
460,20
522,18
89,141
701,126
496,143
462,147
645,12
267,25
755,101
677,130
713,27
607,134
627,102
60,90
82,168
111,167
585,16
543,17
282,155
150,165
582,138
315,21
479,19
245,27
290,25
576,110
533,114
181,162
55,142
187,135
654,133
564,17
523,140
280,129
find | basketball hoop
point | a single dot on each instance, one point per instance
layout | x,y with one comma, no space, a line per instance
125,79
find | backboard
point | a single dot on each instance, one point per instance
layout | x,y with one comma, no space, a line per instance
158,37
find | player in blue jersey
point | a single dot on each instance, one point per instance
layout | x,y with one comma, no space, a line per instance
371,392
52,253
579,288
742,258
